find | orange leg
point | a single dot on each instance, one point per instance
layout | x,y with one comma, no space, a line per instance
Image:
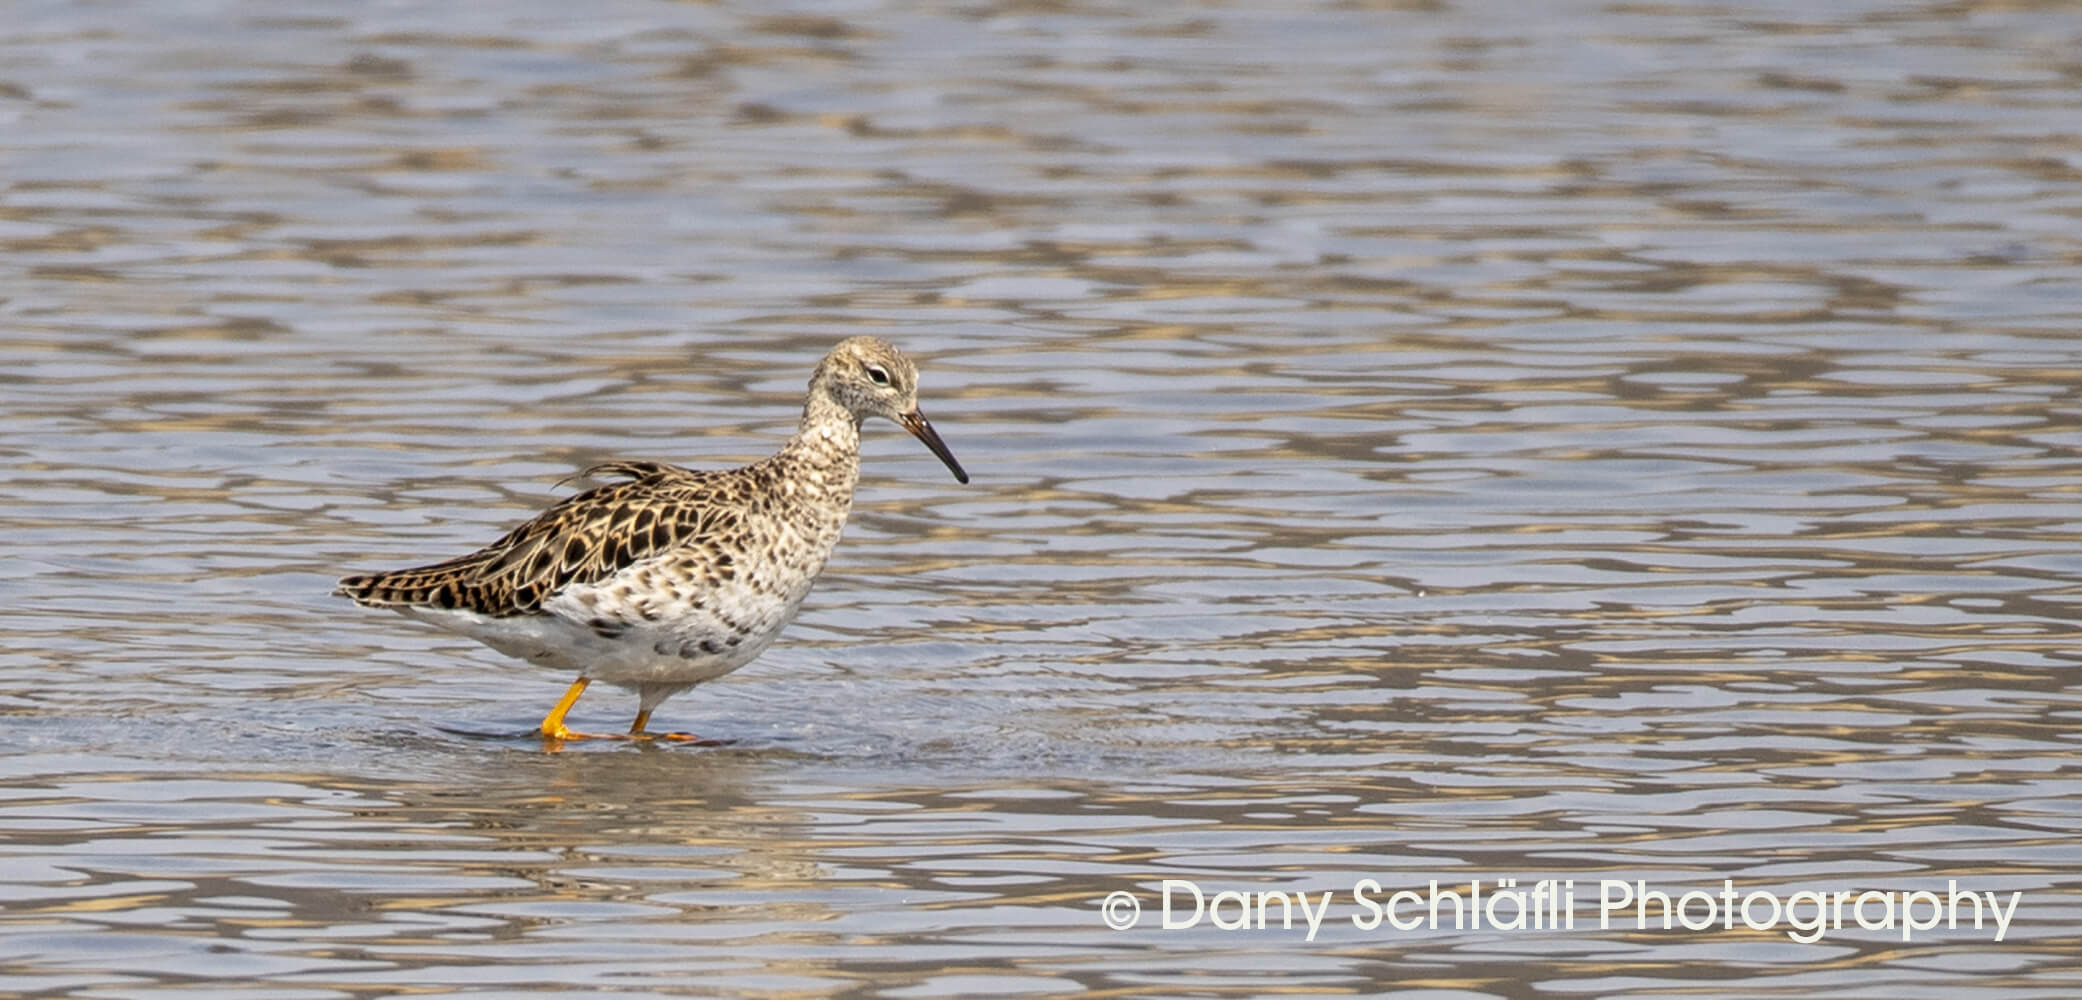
553,723
553,727
643,718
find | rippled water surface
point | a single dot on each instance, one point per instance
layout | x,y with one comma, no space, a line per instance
1597,443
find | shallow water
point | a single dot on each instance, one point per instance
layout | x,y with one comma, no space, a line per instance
1612,444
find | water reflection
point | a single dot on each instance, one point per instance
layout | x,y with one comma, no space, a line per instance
654,869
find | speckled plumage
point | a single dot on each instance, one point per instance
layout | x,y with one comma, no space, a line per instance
670,577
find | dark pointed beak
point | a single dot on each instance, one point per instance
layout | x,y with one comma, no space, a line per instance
922,429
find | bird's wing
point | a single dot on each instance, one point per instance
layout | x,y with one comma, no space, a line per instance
585,538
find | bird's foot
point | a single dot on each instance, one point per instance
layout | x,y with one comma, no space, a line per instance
559,734
682,738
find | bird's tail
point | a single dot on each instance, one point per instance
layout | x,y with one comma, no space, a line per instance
442,585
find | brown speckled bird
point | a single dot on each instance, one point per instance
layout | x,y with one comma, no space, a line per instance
670,577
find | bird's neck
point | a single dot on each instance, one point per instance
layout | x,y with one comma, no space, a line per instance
826,447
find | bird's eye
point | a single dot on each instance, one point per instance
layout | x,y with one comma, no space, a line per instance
877,375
